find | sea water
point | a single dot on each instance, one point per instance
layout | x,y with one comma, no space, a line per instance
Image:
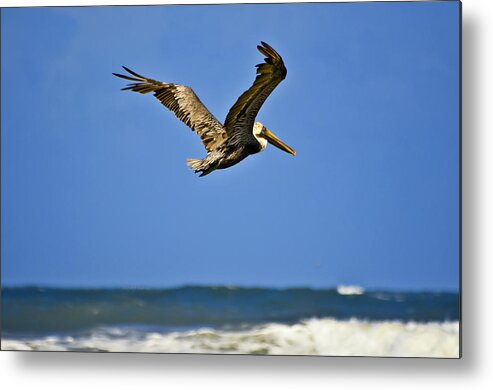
197,319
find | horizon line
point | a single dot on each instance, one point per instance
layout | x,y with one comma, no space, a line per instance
225,285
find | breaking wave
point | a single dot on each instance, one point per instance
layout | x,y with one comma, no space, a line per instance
326,336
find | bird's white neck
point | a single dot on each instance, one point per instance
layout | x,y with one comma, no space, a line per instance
257,129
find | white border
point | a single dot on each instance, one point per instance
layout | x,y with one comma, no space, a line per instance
30,3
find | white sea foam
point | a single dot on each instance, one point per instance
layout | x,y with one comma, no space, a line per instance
311,337
350,290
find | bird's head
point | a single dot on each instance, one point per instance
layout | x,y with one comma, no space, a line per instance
264,135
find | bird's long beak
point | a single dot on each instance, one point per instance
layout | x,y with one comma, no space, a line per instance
273,140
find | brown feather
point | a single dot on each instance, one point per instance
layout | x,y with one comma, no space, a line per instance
241,117
184,103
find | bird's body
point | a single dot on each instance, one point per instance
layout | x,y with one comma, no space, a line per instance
226,154
240,136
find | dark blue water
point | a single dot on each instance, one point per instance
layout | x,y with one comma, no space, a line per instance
40,310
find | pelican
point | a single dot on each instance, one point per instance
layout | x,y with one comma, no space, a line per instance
240,136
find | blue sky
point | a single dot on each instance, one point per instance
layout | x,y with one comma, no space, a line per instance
96,192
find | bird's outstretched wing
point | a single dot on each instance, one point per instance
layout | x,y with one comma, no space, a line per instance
184,103
241,116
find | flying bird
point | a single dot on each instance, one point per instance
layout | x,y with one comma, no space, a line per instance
240,136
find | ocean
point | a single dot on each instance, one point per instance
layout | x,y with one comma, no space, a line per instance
343,321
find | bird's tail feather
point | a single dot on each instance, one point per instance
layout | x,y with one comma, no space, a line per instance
201,166
195,164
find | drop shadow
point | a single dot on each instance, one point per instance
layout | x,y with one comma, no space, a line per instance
471,290
208,364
